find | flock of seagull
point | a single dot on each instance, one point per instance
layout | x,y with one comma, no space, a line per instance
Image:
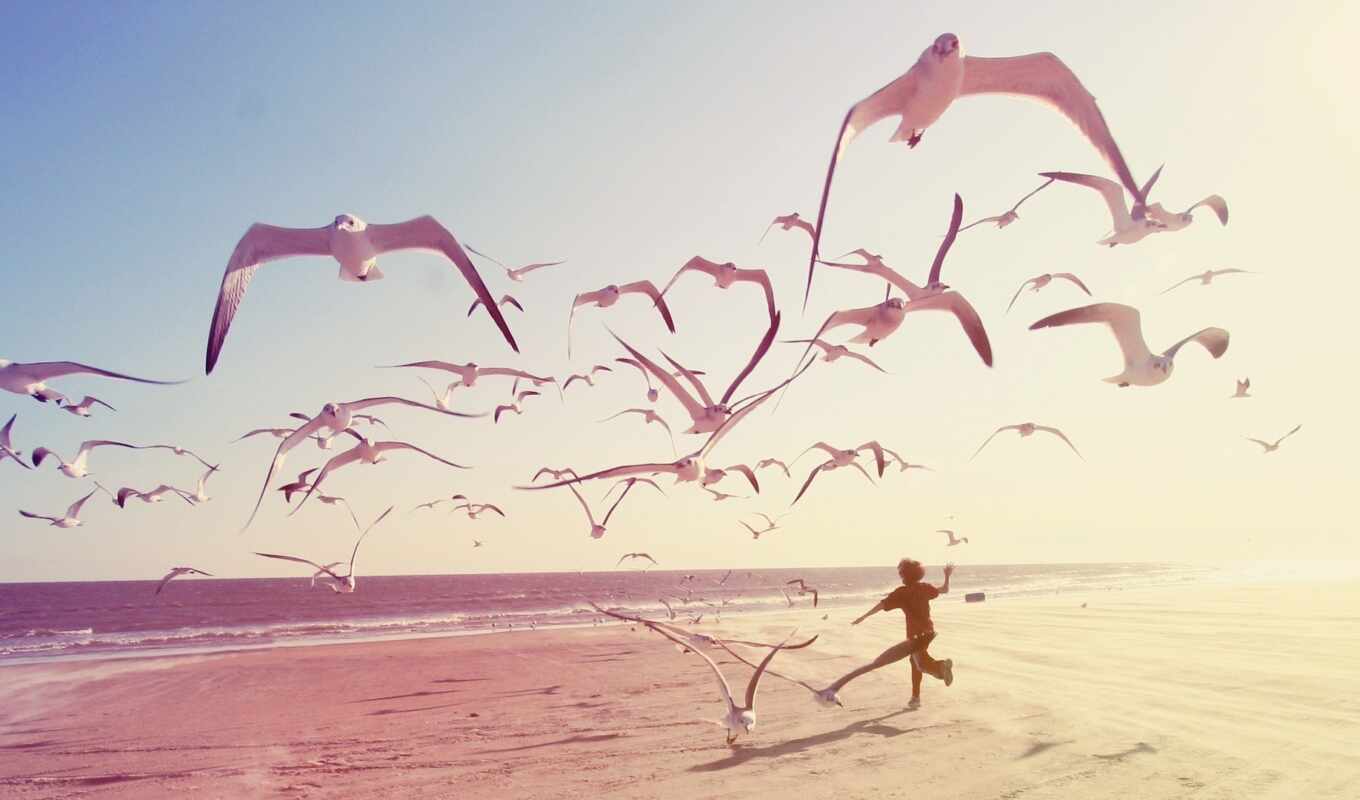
714,408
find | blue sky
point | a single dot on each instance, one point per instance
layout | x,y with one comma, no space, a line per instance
143,140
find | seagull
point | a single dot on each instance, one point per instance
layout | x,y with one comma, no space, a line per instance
469,373
773,462
1010,216
587,377
942,74
76,467
844,458
517,274
1128,228
952,540
82,409
627,556
329,500
156,495
1268,447
627,483
555,474
1141,367
179,451
367,452
755,534
200,494
1207,277
609,295
597,528
832,464
71,519
707,415
299,485
881,320
1040,281
277,433
515,406
335,418
352,242
430,505
652,394
475,510
7,445
712,476
725,275
175,572
1171,221
789,222
31,379
340,584
506,300
720,496
648,417
835,352
670,612
803,589
1242,387
476,543
903,465
1026,429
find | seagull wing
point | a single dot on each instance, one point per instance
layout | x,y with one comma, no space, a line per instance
480,254
626,489
1044,77
1110,191
1215,340
1124,322
370,402
963,311
761,350
811,476
692,377
46,370
1022,288
344,459
760,670
1067,276
527,268
298,560
623,471
1287,435
1062,436
260,244
74,510
355,552
762,279
988,440
1045,184
722,682
648,288
1215,202
387,447
879,270
1179,284
748,472
425,233
691,405
590,516
877,450
695,264
949,237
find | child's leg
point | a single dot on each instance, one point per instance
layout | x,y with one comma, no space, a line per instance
916,675
922,662
892,655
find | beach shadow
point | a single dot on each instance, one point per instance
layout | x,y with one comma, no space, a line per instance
1039,747
546,690
384,712
578,739
1141,747
457,680
29,745
426,693
873,726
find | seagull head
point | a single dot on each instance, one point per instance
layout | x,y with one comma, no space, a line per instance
747,718
827,698
946,44
895,303
612,288
350,223
331,409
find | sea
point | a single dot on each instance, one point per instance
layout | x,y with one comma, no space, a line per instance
103,619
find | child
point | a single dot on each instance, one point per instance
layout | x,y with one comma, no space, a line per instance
913,598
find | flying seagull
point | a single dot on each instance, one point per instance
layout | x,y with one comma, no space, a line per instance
1026,429
340,584
1040,281
1270,447
1207,277
1002,220
7,445
1128,228
76,467
517,274
726,275
367,452
506,300
943,73
352,242
1141,367
82,409
627,556
1171,221
789,222
1242,387
953,541
175,572
609,295
71,519
31,379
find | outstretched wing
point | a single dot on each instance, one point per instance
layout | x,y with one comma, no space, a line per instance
948,242
1124,322
648,288
1215,340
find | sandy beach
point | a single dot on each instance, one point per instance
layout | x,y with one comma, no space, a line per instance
1205,692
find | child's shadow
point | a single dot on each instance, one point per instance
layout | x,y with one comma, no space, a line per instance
873,726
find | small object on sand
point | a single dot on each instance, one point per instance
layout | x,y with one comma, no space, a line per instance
975,597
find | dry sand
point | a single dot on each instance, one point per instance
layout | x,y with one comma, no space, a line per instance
1204,692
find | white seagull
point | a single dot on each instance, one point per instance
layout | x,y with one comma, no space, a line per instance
1127,228
302,484
76,467
1002,220
514,406
597,529
71,519
469,373
352,242
277,433
953,541
82,409
367,452
773,462
725,275
881,320
1171,221
627,556
1207,277
181,452
1141,366
941,75
588,378
175,572
475,510
555,474
835,352
1040,281
1270,447
517,274
827,466
155,495
200,494
706,414
789,222
329,500
7,445
648,417
1242,387
609,295
340,584
31,379
1026,429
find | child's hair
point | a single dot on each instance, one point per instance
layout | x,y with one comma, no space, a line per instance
910,570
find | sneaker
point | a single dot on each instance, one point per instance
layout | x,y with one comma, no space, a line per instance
947,668
914,703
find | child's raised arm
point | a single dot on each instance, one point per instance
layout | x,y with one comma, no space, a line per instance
948,571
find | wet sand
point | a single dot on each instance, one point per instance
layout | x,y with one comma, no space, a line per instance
1205,691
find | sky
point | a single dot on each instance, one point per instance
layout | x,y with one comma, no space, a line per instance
141,142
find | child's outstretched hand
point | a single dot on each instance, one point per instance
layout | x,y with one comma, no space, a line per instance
948,569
